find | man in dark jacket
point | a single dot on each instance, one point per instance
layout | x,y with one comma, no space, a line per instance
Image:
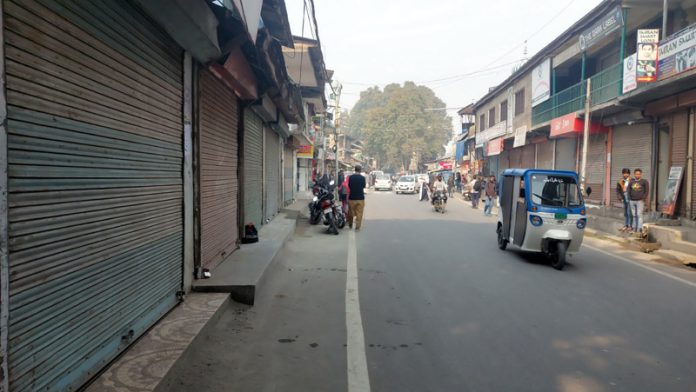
638,191
356,198
622,194
491,195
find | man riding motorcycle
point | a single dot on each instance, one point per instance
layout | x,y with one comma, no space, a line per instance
440,186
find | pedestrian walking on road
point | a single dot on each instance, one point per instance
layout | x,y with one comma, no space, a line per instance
450,185
356,198
622,194
458,181
638,191
477,186
491,195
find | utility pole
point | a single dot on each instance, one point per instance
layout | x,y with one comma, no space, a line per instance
337,87
585,136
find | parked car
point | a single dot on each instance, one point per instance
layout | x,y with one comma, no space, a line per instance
383,182
407,184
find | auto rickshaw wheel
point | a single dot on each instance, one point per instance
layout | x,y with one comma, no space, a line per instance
502,242
559,256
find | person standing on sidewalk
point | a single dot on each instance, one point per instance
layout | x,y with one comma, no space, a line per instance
356,198
491,195
450,185
622,194
476,188
638,191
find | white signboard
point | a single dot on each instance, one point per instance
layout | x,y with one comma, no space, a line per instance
491,133
541,82
520,136
629,79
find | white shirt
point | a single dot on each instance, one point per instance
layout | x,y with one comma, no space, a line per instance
439,186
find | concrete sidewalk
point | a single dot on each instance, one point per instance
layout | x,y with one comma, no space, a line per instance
238,278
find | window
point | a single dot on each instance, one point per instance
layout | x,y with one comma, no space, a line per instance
491,117
555,191
482,121
519,102
503,111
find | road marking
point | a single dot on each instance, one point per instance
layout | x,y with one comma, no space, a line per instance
642,265
358,377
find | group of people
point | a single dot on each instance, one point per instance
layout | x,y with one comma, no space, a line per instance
351,192
633,192
487,188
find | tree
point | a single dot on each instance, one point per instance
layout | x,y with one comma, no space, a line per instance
399,121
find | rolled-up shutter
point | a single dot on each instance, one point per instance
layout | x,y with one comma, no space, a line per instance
219,116
545,155
629,149
272,171
528,153
94,95
566,152
679,134
288,174
253,168
596,166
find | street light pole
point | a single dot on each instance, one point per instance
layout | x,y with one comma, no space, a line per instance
585,135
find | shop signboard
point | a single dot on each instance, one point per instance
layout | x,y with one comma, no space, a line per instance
306,152
646,69
629,73
495,147
445,165
677,54
541,83
673,183
605,26
520,136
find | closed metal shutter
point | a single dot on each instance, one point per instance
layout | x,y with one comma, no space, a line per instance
219,116
679,133
493,165
516,158
94,94
596,166
545,155
288,174
528,153
504,160
566,153
630,148
272,171
253,168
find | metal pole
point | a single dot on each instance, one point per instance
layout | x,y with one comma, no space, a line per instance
665,11
622,49
189,258
585,137
582,67
690,166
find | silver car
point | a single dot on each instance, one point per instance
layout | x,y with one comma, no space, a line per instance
407,184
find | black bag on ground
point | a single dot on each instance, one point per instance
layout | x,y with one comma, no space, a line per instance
251,235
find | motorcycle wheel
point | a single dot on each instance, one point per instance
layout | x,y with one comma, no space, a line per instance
314,218
559,256
340,221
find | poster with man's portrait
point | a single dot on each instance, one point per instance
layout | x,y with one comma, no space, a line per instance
646,69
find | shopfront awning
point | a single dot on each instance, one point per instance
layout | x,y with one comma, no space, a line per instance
571,124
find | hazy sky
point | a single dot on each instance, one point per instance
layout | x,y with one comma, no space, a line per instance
377,42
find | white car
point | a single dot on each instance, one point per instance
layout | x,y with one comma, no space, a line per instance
407,184
383,183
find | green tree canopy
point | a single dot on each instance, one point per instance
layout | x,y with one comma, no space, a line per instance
398,122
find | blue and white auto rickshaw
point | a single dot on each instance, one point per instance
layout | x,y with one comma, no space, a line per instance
541,211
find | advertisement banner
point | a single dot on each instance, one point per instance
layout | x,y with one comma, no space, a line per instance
673,183
445,165
520,136
306,152
646,70
608,24
629,79
495,147
678,53
541,83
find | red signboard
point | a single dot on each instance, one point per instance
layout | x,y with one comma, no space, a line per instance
445,165
570,123
495,146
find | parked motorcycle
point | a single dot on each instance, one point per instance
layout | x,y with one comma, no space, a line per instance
315,210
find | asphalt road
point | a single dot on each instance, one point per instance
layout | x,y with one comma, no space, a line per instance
444,310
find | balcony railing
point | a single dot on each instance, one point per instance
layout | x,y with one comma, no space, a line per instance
606,85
